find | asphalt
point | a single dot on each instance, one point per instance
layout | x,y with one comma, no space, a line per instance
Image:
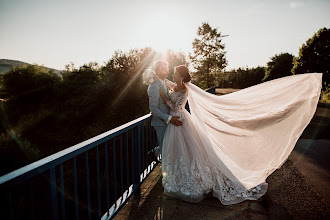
298,190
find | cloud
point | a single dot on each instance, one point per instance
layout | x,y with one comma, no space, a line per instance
296,4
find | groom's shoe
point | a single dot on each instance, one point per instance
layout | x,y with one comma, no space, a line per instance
159,160
154,152
156,159
153,157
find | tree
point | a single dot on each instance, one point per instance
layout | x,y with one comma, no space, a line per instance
314,56
125,67
123,77
242,78
174,59
279,66
208,55
86,75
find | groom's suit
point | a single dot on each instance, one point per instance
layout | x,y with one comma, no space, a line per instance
160,112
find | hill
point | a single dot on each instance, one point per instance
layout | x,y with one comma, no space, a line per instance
6,65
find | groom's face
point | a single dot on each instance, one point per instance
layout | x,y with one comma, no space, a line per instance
163,71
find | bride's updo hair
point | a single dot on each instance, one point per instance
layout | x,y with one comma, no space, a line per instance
183,71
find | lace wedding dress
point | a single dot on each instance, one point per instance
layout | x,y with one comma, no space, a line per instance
230,144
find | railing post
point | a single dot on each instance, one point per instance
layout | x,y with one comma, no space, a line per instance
137,158
11,206
211,90
88,187
53,191
32,206
55,184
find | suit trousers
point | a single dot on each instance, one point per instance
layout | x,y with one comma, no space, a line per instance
160,131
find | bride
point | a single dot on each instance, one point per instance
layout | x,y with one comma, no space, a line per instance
230,144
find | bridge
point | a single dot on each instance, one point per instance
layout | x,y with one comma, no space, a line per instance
106,170
114,176
90,180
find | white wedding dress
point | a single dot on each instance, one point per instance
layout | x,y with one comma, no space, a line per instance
230,144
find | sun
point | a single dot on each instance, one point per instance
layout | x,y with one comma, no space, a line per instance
160,35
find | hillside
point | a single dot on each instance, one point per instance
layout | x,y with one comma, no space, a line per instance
6,65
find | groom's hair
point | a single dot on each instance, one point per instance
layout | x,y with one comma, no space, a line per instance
158,63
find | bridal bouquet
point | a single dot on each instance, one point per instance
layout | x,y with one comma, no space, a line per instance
149,76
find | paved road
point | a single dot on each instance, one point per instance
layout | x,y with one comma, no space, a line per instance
311,158
300,189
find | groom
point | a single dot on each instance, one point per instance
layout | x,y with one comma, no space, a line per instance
160,111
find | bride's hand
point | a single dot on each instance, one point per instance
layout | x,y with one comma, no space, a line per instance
163,95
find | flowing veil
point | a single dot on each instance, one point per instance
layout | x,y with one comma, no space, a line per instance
250,133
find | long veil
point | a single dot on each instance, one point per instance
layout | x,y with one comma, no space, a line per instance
250,133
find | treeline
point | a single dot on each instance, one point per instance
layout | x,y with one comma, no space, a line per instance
241,78
42,113
279,65
209,61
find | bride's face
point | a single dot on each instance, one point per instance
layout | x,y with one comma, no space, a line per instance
177,78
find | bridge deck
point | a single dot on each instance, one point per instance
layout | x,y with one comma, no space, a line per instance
153,204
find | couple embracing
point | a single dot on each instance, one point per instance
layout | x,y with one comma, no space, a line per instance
228,145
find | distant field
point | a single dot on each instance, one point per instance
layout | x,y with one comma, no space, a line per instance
6,65
225,91
4,69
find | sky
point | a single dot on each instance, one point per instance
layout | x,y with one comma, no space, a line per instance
55,33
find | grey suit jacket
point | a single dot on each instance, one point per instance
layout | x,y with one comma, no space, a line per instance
160,111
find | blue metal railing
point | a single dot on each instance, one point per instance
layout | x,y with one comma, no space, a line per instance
78,182
54,186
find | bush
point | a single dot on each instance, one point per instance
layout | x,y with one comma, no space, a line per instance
325,95
29,84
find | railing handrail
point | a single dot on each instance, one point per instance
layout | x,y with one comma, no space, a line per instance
15,177
143,141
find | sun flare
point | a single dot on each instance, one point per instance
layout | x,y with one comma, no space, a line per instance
162,32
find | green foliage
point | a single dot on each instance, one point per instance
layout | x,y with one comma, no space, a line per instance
46,113
242,78
279,66
314,56
208,55
174,59
29,83
325,95
16,152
